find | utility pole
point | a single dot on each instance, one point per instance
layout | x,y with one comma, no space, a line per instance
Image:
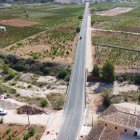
28,115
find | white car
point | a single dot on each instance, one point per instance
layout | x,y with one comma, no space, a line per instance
3,112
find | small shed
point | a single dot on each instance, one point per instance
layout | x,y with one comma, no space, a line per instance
2,29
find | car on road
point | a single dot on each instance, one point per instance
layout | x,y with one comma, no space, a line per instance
3,112
80,37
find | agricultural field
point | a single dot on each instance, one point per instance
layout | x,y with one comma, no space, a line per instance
20,132
118,56
129,21
116,39
53,36
124,22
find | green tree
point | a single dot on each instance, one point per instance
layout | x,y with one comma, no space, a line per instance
108,72
96,71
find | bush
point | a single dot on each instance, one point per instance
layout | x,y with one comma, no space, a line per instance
43,103
46,71
77,29
80,17
108,72
96,71
62,74
125,97
10,72
5,68
137,80
67,78
106,98
30,133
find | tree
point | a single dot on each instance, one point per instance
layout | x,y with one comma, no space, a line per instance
108,72
96,71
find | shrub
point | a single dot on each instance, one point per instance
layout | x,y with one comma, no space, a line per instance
77,29
8,131
96,71
43,103
125,97
29,86
62,74
137,80
5,68
67,78
108,72
106,98
31,132
46,71
10,72
80,17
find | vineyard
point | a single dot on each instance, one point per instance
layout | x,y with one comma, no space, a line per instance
55,32
52,43
116,39
119,57
129,21
20,132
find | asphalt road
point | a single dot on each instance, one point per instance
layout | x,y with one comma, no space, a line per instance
75,105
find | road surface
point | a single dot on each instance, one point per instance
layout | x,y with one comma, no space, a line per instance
75,105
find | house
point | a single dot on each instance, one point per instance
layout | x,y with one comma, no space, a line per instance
2,29
117,121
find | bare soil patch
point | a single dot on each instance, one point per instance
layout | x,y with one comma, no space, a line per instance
29,109
115,11
18,23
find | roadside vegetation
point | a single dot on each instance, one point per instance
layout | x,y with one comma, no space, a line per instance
106,73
